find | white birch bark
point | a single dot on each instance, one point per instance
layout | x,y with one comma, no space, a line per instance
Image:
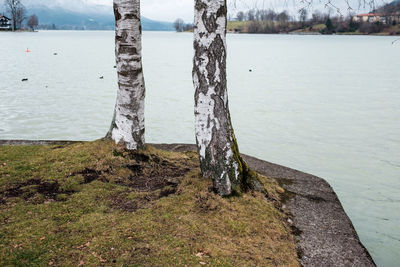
127,126
216,143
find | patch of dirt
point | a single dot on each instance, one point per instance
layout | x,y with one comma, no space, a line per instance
49,189
16,190
154,177
89,175
152,183
123,202
150,172
27,190
143,172
165,192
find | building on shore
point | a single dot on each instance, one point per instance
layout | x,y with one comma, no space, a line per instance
377,17
5,23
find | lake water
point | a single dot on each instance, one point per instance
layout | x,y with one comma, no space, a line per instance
326,105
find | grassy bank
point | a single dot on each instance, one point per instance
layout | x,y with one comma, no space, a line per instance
238,26
93,204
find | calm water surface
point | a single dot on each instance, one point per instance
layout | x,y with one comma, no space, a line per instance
327,105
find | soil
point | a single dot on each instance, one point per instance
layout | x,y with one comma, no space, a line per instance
27,190
151,175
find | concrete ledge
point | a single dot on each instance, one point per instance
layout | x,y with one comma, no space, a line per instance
325,235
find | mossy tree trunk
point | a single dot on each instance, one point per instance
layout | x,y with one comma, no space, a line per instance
216,143
127,126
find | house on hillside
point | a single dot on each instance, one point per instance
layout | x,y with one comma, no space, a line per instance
5,23
376,17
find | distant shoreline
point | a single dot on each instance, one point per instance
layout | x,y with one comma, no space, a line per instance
228,32
264,27
317,33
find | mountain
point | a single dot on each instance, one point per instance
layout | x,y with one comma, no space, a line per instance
80,15
154,25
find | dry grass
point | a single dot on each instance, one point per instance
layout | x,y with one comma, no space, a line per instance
95,204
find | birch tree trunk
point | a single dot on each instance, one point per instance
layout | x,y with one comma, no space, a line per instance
127,126
216,143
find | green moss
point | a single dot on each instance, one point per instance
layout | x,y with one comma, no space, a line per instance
52,214
248,180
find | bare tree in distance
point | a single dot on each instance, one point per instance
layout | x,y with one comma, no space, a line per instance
240,16
303,14
251,15
127,126
309,4
33,22
179,25
17,11
333,4
20,17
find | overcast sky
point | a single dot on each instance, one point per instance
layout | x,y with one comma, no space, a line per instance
169,10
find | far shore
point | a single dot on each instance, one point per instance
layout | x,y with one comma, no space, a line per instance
230,31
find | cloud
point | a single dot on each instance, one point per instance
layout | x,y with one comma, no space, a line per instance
168,10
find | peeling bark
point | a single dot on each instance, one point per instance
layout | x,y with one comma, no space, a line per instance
216,143
127,126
